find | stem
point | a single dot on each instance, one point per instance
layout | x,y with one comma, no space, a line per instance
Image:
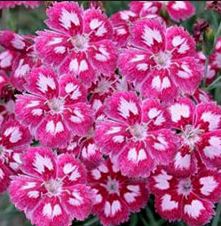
216,218
213,83
217,33
91,222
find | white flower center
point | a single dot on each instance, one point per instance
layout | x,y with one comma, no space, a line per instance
138,131
184,187
163,59
191,135
112,186
53,187
56,105
80,43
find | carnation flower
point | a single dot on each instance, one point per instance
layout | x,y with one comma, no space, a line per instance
177,10
13,139
79,42
116,195
199,127
52,189
18,58
123,20
136,134
190,199
162,61
54,108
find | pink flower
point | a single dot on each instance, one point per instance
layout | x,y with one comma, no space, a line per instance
116,195
18,58
55,107
177,10
189,198
52,190
137,135
162,61
12,4
123,20
13,139
79,43
199,129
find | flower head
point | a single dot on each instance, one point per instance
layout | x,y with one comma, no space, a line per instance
54,107
116,195
137,134
79,41
52,189
190,199
161,61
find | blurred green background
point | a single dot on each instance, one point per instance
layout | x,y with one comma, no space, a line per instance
28,21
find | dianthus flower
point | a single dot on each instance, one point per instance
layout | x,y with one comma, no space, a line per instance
54,108
190,199
18,58
199,129
177,10
14,138
52,189
116,195
161,60
79,42
136,134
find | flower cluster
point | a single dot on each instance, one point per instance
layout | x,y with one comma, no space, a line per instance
97,113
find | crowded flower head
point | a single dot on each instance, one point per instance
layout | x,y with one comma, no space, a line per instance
102,115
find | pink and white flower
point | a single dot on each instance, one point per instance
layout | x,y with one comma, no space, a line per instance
199,129
116,195
177,10
14,138
18,58
55,107
190,199
161,61
137,135
123,20
52,189
79,41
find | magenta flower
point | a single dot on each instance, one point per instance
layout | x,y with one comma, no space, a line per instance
79,42
190,199
177,10
199,129
14,138
55,108
162,61
52,189
136,134
116,195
